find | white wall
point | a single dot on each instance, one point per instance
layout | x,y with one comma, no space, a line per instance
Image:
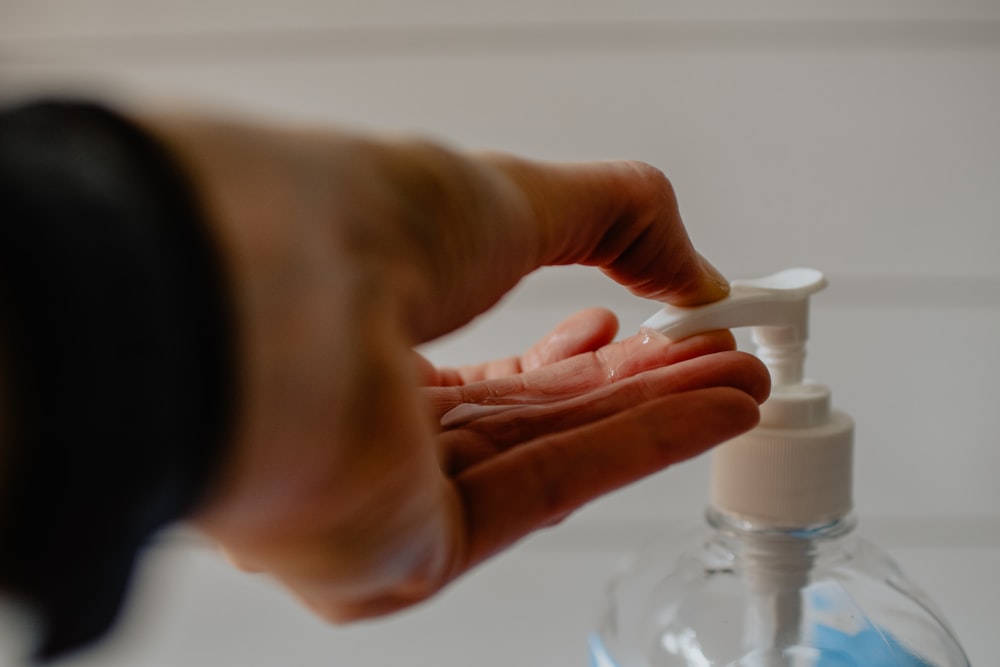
859,138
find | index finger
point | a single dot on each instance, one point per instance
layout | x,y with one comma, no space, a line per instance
621,216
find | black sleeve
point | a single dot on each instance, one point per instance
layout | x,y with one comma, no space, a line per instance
116,368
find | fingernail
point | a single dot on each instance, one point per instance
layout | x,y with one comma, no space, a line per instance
715,276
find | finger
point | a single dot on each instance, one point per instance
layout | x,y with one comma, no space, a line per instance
584,331
582,372
489,433
477,224
510,496
621,216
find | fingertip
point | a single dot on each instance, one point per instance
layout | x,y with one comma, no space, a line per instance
584,331
740,409
716,280
731,368
711,417
698,345
698,284
597,323
758,378
752,378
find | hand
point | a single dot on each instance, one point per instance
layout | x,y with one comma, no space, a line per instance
353,476
532,438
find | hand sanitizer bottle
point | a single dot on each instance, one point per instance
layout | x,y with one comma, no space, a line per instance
777,579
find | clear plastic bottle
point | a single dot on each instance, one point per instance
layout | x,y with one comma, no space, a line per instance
777,578
746,596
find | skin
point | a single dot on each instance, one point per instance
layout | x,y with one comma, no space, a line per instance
352,478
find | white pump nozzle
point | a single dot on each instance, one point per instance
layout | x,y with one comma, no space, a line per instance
794,469
777,307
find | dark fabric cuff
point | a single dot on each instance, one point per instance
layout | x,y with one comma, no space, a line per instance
116,363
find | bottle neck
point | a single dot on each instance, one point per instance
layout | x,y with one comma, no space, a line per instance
742,528
774,560
781,557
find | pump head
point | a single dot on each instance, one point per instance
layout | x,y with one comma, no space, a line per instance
776,306
794,469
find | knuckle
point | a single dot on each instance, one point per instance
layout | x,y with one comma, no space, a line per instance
652,178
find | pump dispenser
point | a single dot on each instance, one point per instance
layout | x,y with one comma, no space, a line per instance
779,580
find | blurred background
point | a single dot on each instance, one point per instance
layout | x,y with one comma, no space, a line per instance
859,138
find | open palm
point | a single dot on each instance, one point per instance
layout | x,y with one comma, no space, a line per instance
526,440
